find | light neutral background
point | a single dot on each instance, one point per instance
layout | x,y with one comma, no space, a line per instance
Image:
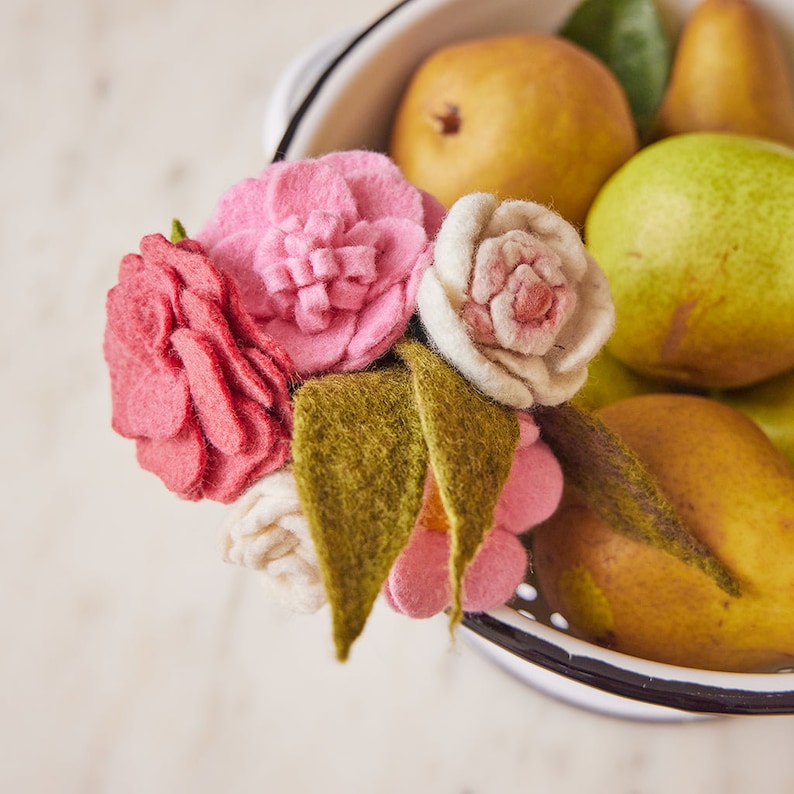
133,659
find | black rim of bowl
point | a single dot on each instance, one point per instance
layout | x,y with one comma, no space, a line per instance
671,693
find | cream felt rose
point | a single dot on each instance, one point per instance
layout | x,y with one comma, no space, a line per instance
266,530
514,301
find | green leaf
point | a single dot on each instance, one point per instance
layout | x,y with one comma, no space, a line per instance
177,231
360,462
628,36
471,442
617,486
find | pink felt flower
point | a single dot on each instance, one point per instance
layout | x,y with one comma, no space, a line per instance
418,584
202,390
514,301
328,254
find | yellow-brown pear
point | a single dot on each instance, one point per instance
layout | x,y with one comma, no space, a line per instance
729,74
735,493
525,116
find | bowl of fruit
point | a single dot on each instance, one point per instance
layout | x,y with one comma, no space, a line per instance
663,585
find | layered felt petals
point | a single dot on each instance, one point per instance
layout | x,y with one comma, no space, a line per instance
419,584
328,254
514,301
198,385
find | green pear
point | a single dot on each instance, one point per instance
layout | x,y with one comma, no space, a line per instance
696,236
609,381
730,74
734,493
771,406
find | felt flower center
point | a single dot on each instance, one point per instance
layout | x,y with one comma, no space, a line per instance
518,297
321,269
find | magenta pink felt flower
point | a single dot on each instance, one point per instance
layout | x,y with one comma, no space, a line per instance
198,385
418,584
328,254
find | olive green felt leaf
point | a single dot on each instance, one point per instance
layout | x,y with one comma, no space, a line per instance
628,36
470,442
359,461
178,232
617,486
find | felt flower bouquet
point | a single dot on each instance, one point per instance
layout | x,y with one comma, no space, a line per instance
360,375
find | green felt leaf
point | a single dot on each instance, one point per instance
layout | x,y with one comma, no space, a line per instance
628,36
471,441
177,231
359,461
617,486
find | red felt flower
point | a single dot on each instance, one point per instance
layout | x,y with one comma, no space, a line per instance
202,390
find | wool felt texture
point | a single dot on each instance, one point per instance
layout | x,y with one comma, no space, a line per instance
470,444
419,581
267,531
359,464
328,254
202,390
618,487
514,301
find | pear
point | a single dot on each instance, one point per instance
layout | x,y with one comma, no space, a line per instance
770,405
609,381
696,236
734,493
729,74
525,116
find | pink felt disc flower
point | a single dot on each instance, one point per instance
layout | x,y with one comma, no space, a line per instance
328,254
514,301
197,384
418,584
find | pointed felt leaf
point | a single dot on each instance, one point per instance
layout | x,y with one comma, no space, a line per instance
471,441
359,461
628,36
178,232
618,487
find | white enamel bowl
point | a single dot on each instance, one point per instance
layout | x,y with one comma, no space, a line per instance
341,95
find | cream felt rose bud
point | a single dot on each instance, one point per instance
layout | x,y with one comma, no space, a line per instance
514,301
266,530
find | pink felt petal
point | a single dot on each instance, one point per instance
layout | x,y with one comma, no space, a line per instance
211,396
384,195
404,248
313,353
529,432
179,461
235,255
380,324
140,310
350,162
206,319
157,404
297,188
495,572
227,476
242,206
435,212
418,583
532,491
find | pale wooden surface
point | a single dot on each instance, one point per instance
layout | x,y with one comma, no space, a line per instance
133,659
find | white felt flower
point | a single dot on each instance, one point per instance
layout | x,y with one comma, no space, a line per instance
267,530
514,301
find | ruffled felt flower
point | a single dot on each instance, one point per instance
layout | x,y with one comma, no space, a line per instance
514,301
266,530
418,584
328,254
202,390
